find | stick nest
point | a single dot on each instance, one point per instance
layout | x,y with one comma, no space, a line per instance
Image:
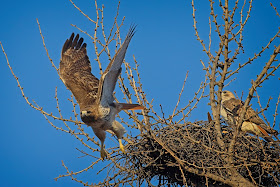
157,156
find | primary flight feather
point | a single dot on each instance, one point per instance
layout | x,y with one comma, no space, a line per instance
95,97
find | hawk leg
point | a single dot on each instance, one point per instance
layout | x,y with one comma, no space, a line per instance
103,152
121,146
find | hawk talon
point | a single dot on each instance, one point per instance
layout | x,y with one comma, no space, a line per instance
121,146
103,153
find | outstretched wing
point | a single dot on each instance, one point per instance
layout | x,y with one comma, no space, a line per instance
110,76
75,71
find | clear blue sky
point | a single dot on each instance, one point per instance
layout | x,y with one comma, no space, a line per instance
164,45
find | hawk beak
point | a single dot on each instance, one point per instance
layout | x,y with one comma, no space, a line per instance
83,113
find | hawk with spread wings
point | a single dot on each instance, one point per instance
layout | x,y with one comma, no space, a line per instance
231,109
95,97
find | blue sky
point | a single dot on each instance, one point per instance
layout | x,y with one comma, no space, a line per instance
164,46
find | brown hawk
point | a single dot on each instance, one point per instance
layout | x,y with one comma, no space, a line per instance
231,109
95,97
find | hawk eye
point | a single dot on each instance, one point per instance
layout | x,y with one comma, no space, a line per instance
85,113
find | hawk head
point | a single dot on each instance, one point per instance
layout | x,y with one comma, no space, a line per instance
226,95
89,115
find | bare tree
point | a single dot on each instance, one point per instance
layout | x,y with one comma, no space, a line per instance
167,149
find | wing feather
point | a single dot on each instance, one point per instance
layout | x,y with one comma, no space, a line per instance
75,71
232,106
110,76
235,107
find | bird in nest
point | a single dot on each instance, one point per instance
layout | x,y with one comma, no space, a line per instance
231,109
95,97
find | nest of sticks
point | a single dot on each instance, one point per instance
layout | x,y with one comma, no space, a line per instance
156,155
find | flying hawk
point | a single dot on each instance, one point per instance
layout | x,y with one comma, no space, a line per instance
95,97
231,109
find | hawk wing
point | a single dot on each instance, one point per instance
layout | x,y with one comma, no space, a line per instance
252,116
75,71
234,107
110,76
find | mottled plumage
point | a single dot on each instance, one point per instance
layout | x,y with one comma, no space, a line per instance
95,97
231,109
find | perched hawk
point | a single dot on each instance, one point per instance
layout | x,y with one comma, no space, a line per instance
95,97
231,109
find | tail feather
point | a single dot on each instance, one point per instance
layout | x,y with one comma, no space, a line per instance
262,130
209,117
254,129
127,106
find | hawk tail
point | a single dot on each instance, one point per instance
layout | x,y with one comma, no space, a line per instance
127,106
209,117
262,130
